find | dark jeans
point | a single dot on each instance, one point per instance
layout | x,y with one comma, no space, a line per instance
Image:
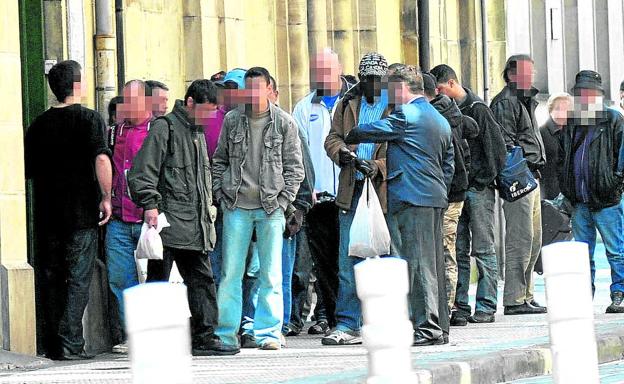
475,237
417,234
64,266
323,241
194,267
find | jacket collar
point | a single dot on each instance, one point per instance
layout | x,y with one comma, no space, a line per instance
553,128
179,111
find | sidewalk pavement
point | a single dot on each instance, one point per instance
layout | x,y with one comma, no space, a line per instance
512,348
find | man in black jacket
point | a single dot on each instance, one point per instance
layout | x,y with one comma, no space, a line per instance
514,108
476,223
462,128
591,165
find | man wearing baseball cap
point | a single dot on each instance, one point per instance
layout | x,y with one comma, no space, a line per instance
365,103
591,177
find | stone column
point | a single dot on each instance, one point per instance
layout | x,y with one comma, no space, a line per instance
317,25
342,32
298,49
17,291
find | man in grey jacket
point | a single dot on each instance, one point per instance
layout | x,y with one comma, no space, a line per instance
171,174
257,172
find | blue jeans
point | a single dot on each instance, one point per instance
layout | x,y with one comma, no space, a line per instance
348,310
121,242
238,225
610,223
289,251
475,236
215,254
250,286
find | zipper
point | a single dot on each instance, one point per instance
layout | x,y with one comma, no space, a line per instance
583,186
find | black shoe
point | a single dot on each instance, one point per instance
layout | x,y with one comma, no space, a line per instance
481,317
421,341
616,303
291,330
458,320
523,309
446,339
536,304
215,348
320,328
248,341
71,356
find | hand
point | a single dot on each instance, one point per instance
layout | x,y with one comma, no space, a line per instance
293,224
106,211
150,216
346,157
367,167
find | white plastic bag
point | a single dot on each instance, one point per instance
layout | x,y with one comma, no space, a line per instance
150,244
369,235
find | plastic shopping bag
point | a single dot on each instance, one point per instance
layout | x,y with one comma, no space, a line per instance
150,244
369,235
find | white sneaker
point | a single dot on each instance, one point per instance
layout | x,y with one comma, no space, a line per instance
338,337
121,348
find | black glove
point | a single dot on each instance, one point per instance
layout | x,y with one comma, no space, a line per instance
346,157
293,224
367,167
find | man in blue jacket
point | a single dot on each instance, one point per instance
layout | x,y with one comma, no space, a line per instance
420,169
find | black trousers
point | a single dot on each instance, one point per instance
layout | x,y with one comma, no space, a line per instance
195,269
417,235
64,267
323,240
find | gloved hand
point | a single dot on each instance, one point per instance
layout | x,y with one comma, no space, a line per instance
367,167
293,224
346,157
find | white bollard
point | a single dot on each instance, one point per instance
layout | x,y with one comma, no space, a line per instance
159,335
570,313
382,286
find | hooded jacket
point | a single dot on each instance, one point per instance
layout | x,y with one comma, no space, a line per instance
462,128
487,149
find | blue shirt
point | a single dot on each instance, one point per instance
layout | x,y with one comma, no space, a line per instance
370,113
329,101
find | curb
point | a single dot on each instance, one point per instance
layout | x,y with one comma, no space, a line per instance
514,364
10,361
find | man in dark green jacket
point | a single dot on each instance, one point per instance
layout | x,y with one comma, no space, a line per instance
171,174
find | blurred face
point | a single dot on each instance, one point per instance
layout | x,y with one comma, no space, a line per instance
257,91
587,104
160,97
449,88
79,88
522,75
371,86
200,113
622,99
560,110
135,106
325,71
395,92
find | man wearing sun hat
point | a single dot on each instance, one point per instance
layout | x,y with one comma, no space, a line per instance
591,177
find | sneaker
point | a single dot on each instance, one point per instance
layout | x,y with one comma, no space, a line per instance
458,320
616,303
481,317
338,337
121,348
320,328
271,346
248,341
282,341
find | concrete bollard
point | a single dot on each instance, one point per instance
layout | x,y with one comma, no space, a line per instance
382,286
159,335
570,313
